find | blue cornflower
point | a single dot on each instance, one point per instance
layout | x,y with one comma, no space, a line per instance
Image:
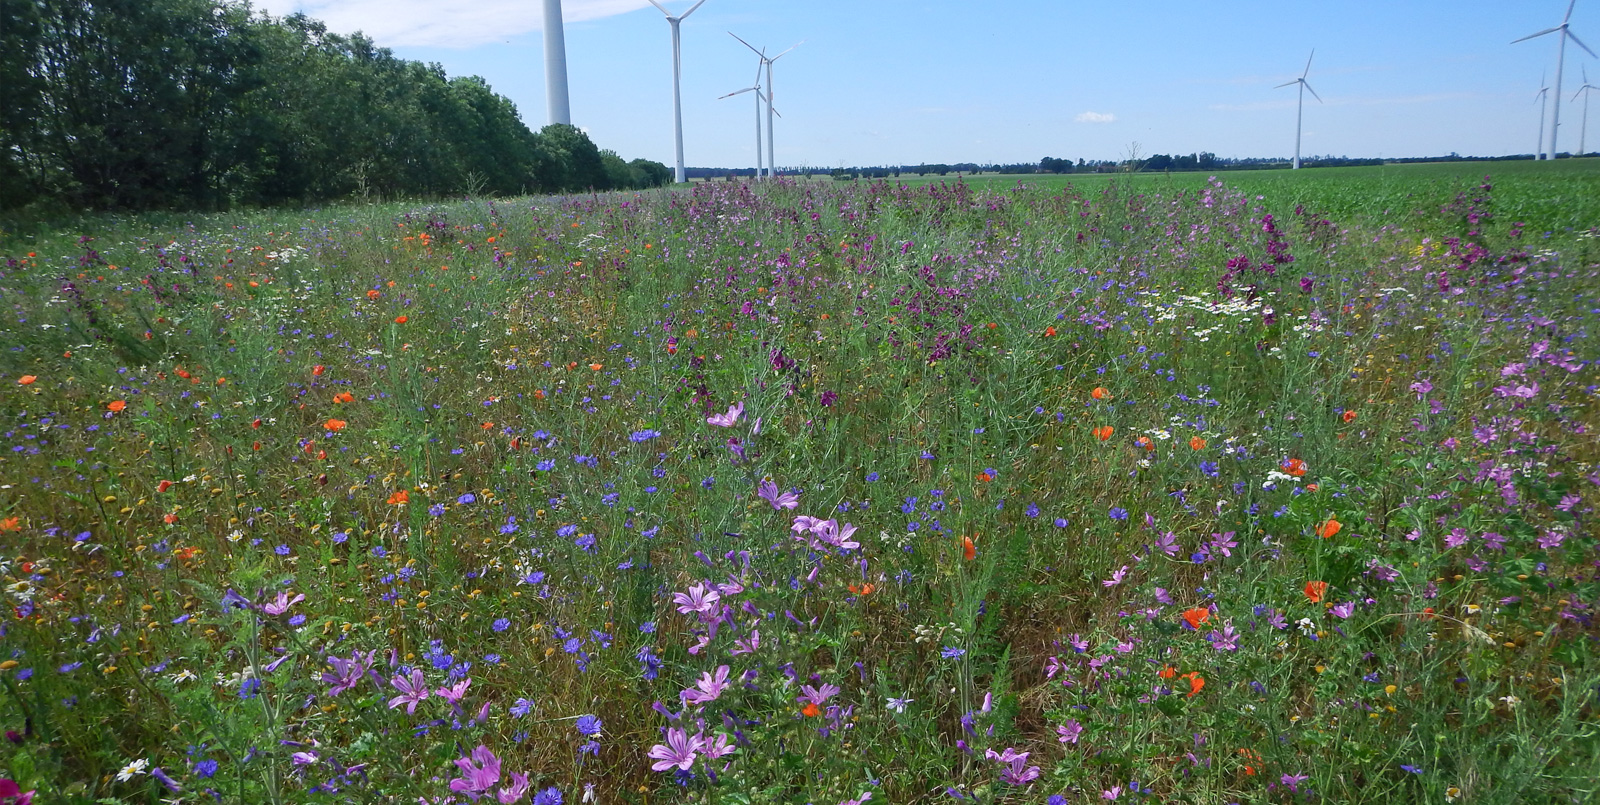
1033,510
708,482
951,652
1209,468
281,550
1061,522
467,498
436,509
522,707
205,769
872,476
643,435
588,725
501,624
1118,513
586,542
546,465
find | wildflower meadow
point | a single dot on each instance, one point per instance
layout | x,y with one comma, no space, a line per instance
809,492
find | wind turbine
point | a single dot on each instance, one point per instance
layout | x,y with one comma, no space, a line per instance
1300,106
1544,100
677,103
1561,55
555,64
767,63
1583,131
757,90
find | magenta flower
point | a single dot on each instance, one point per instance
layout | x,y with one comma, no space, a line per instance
747,645
1117,577
1014,766
455,693
347,674
708,688
1225,640
717,746
818,697
779,500
281,604
728,419
1070,731
518,790
679,750
698,599
479,773
412,690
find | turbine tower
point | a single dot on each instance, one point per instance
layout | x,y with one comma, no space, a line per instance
1300,106
677,102
555,64
767,63
757,90
1561,55
1583,130
1543,99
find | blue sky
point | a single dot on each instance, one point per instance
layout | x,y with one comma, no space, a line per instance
910,81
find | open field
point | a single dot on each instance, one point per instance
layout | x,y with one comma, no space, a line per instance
1170,490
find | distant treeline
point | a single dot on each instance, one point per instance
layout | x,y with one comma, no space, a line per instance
1155,163
203,104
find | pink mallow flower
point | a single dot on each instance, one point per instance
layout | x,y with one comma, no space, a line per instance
479,773
412,690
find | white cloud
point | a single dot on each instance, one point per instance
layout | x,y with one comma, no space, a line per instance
1095,117
442,23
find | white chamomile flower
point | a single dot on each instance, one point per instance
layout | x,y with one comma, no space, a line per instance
132,770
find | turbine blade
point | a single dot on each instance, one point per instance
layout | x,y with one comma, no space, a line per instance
747,44
1308,63
1574,37
1313,92
1288,84
792,47
776,112
737,92
1570,6
662,7
1539,34
685,15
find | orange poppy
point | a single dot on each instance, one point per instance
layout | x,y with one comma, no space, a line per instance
1104,432
163,486
26,380
1144,441
1100,393
374,294
344,398
596,366
1049,331
316,371
255,446
169,518
335,425
1196,682
1196,616
984,477
400,498
1197,443
1253,758
811,710
400,319
1295,467
186,553
1329,528
183,373
1167,672
256,424
1315,590
861,589
572,365
968,550
538,394
1349,416
116,406
11,524
1311,487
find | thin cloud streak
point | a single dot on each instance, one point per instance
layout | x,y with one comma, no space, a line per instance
442,23
1096,117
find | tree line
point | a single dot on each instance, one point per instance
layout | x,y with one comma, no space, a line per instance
207,104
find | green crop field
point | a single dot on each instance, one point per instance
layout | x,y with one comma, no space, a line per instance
1268,487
